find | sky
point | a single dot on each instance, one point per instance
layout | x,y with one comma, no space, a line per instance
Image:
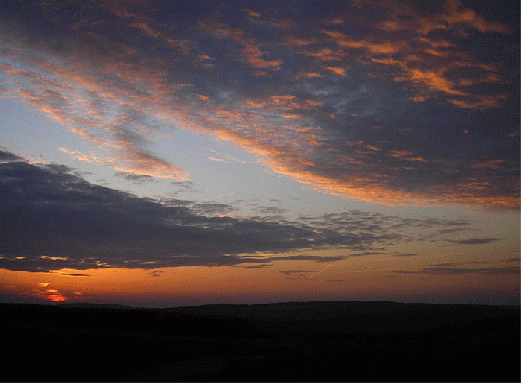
160,154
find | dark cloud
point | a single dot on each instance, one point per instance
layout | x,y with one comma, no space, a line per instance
297,273
155,273
405,255
459,269
384,228
474,241
365,253
269,210
389,102
451,231
259,266
322,259
53,219
136,178
6,156
212,208
76,274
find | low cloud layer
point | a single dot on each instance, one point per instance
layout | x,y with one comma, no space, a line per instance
52,219
474,241
392,102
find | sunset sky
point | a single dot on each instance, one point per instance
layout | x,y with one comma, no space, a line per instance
161,153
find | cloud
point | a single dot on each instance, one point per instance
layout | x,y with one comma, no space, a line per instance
43,291
405,255
382,227
53,219
297,273
75,274
365,253
49,294
269,210
136,178
395,109
6,156
474,241
457,269
450,230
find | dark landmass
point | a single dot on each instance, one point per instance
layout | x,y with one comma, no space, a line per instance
306,341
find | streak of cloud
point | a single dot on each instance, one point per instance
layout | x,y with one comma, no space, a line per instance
319,272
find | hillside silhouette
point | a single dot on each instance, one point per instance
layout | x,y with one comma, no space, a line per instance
293,341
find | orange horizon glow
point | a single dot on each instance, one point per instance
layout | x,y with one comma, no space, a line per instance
351,279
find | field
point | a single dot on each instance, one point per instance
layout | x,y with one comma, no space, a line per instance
307,341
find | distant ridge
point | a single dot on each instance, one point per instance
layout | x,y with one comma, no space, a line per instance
95,306
326,305
219,308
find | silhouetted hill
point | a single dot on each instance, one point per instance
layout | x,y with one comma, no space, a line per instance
293,341
355,316
94,306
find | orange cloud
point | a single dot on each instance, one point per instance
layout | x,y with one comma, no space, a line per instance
66,95
81,157
339,71
417,58
283,103
201,97
251,52
284,23
405,17
87,135
296,150
253,56
252,15
372,188
146,29
217,159
456,14
47,294
309,75
53,296
295,41
326,54
109,98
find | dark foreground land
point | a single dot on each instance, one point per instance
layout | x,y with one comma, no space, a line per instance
312,341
